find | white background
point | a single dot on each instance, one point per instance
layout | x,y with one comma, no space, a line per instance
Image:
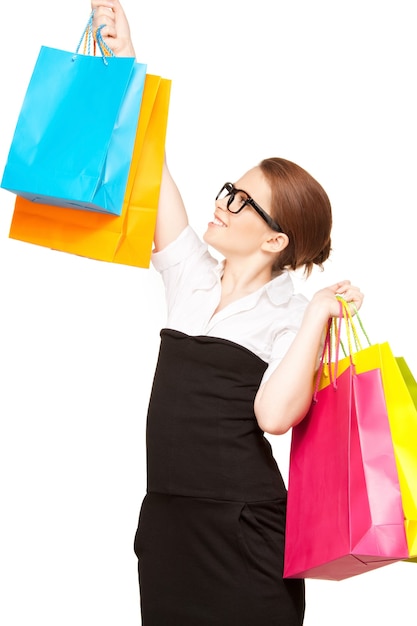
328,84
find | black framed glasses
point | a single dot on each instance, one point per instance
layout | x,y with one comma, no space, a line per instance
237,199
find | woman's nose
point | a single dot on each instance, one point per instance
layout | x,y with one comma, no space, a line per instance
221,203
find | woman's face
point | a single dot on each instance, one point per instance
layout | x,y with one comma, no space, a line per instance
241,233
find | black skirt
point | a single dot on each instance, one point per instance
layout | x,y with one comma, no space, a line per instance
210,539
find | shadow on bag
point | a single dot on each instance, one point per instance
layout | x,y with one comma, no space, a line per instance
127,238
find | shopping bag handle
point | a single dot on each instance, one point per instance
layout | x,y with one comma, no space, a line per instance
90,37
332,338
352,331
329,359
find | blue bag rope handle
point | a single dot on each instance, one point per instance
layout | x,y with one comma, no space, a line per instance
88,35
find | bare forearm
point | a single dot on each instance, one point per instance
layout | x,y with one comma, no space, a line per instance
285,398
171,217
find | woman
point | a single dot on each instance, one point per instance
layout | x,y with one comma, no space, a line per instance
237,359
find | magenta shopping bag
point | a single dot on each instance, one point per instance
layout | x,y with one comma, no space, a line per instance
344,513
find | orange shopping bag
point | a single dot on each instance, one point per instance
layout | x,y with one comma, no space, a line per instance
125,239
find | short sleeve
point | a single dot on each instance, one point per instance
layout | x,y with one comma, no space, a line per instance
279,350
185,245
185,265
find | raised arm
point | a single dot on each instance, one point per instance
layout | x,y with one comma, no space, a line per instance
172,216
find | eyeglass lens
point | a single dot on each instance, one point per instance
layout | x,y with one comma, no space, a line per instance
236,198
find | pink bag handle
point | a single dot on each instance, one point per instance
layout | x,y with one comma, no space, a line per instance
326,354
333,338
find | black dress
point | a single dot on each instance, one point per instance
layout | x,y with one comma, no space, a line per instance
210,538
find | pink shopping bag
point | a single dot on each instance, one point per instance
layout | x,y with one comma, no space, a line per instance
344,513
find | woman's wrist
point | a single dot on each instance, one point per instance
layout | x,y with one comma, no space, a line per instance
126,50
316,314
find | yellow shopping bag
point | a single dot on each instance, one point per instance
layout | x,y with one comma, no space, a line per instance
411,383
125,239
400,390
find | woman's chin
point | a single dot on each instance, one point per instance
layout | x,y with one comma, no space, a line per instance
209,239
206,236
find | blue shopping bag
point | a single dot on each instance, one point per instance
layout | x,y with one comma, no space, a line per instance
74,137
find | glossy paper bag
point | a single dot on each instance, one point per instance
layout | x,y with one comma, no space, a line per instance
126,239
344,512
74,137
400,397
411,524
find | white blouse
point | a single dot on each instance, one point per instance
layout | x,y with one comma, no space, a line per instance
264,321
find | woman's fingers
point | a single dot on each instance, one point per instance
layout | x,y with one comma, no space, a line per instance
115,31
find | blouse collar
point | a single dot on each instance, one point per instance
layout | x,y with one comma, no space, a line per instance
279,289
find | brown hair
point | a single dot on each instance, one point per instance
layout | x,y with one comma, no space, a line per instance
302,209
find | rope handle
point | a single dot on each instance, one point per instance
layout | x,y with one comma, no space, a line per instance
361,325
333,343
332,331
94,37
352,331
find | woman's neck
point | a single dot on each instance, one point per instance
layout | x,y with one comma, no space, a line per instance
241,278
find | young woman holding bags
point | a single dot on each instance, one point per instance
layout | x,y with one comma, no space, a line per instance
237,358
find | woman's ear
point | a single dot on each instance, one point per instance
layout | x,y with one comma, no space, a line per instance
275,243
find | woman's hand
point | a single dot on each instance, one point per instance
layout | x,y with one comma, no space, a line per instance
326,302
116,33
